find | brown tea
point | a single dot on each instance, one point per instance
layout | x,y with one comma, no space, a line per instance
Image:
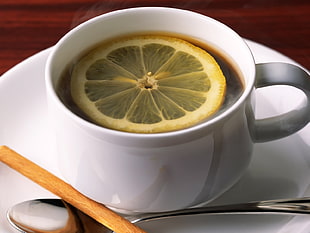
234,85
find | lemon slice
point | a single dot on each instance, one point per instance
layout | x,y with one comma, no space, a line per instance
148,84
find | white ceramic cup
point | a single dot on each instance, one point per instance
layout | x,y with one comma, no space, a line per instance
172,170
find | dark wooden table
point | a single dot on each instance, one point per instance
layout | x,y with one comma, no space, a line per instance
29,26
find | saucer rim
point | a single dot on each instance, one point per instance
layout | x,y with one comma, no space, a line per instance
29,61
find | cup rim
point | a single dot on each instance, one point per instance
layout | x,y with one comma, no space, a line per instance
117,133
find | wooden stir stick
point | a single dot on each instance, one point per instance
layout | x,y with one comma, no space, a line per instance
65,191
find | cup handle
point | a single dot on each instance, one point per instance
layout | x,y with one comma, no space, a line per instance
268,74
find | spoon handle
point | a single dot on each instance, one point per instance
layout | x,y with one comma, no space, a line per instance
62,189
288,206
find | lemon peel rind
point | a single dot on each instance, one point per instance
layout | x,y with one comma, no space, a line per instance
215,95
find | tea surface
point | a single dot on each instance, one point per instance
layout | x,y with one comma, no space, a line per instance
156,83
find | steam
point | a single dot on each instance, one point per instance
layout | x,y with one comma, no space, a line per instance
89,11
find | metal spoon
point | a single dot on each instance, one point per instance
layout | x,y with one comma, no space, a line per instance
55,215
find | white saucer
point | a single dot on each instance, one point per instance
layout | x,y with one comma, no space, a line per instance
279,169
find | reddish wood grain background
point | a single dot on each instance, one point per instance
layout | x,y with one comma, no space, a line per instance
29,26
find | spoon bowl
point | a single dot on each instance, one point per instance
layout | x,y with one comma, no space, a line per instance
57,216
